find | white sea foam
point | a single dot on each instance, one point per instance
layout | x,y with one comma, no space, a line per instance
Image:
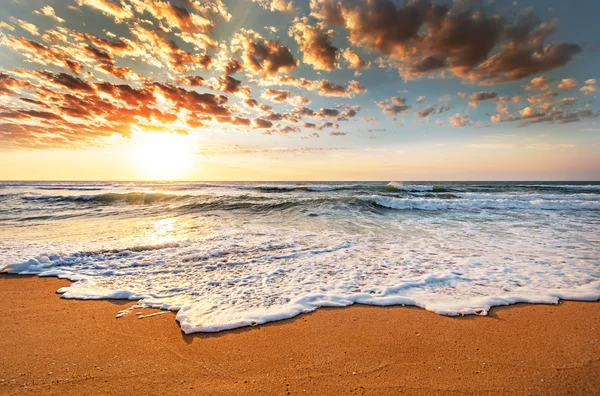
264,274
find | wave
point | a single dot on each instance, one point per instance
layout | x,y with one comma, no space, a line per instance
563,186
313,188
530,197
71,188
333,187
261,187
254,206
108,198
397,186
61,186
472,205
429,201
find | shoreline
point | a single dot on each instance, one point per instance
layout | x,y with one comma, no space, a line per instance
57,346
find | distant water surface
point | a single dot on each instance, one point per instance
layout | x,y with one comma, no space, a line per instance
226,255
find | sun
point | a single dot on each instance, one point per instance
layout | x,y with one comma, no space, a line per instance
163,156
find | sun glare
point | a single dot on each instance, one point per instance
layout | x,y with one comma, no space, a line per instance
163,156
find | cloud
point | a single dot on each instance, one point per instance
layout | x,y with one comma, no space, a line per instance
321,126
278,96
564,118
276,5
530,112
327,124
193,101
327,88
233,66
261,123
425,112
394,106
4,25
193,24
289,129
240,121
422,37
11,86
500,118
354,60
119,12
167,52
228,84
567,101
567,84
253,104
349,112
266,57
321,87
27,26
459,121
541,83
171,42
49,12
477,97
69,82
121,47
315,45
589,87
64,110
39,53
327,113
193,81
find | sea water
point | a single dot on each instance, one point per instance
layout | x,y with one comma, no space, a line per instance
227,255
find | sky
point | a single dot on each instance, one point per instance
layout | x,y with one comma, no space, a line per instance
299,90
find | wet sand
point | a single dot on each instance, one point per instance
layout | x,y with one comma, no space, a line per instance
53,346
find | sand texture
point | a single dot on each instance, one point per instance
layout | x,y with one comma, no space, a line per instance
55,346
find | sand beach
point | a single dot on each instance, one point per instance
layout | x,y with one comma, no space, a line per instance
54,346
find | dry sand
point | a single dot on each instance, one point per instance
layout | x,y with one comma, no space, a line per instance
54,346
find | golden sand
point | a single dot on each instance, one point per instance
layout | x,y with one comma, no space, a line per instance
52,346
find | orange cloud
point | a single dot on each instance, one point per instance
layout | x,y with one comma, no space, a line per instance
39,53
315,44
262,56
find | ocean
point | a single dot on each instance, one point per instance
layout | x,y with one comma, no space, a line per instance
227,255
